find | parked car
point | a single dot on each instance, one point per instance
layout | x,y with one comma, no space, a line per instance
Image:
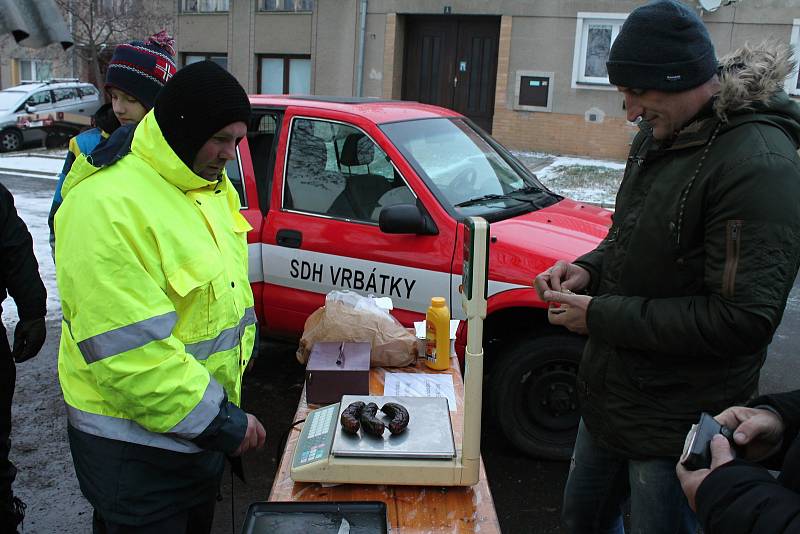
368,195
67,96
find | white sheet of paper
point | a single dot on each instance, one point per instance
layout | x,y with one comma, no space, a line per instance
419,328
420,385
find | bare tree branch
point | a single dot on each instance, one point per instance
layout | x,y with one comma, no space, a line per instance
100,24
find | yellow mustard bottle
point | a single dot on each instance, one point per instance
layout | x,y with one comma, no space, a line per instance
437,335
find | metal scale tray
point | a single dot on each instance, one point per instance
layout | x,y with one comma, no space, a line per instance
363,517
429,433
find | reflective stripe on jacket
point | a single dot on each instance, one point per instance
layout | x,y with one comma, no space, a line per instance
159,321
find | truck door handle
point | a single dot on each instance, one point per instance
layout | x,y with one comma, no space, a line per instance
289,238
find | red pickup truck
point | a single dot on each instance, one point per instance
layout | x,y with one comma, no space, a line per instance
368,195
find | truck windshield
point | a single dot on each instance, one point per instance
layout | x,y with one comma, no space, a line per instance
473,175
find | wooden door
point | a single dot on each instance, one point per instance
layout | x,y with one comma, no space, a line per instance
452,62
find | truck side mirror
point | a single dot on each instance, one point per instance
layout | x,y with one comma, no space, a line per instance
30,109
406,219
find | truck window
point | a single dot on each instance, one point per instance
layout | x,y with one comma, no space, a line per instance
87,92
261,139
40,98
335,169
234,171
64,95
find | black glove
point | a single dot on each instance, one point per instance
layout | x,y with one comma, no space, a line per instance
28,339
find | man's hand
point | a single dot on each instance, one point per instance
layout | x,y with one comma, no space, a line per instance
561,275
691,480
254,438
759,432
572,312
29,337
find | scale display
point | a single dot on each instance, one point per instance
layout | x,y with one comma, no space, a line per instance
317,435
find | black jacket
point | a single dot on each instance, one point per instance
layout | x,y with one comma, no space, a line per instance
741,497
19,271
692,279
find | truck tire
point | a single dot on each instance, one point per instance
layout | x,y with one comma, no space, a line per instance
533,394
10,139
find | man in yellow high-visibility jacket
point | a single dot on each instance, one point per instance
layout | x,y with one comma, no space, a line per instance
159,321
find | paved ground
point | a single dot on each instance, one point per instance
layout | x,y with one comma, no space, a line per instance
527,492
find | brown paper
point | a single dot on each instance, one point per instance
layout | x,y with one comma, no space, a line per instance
392,344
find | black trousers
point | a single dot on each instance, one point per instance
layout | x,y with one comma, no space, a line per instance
197,520
8,375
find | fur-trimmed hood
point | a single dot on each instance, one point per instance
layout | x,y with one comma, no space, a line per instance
752,78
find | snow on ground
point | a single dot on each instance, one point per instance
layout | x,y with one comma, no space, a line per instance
43,163
583,179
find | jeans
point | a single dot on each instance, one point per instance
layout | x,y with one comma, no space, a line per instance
600,482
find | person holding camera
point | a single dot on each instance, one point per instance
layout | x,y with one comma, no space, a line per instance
682,297
739,495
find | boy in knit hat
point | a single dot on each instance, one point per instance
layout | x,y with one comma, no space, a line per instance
137,72
683,296
159,323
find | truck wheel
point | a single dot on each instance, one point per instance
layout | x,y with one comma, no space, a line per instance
534,397
10,140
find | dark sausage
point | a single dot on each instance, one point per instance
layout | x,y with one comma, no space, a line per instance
399,416
370,423
350,415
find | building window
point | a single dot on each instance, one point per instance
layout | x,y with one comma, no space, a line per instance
114,7
286,5
284,75
205,6
594,35
793,81
34,70
219,59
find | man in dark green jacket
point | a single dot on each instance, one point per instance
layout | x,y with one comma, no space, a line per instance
684,294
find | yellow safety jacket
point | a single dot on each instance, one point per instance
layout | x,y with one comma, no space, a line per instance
159,321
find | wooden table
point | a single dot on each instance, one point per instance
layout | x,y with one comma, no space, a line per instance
411,509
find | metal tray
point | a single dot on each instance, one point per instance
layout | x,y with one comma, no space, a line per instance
360,517
429,433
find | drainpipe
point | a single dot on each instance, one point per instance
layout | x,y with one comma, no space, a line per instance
362,29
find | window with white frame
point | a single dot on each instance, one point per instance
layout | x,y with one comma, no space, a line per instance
205,6
219,59
34,70
286,5
284,74
594,35
792,84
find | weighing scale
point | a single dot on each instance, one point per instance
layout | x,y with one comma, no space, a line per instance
425,454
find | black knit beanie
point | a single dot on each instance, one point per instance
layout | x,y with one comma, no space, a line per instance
662,45
201,99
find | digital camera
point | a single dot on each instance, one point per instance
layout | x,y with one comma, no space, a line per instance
697,447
